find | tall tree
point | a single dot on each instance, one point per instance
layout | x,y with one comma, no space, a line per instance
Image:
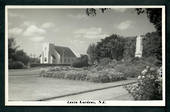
17,58
91,51
152,45
111,47
12,48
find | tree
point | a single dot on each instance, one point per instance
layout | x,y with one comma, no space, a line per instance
91,51
12,48
154,15
111,47
129,47
92,11
152,45
17,58
22,56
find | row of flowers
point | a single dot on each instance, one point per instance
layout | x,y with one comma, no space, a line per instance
93,75
148,86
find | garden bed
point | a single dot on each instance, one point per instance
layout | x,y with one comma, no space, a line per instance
84,74
148,86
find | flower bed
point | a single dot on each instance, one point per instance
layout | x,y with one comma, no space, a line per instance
93,75
148,86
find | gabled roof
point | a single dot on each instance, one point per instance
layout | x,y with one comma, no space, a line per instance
65,51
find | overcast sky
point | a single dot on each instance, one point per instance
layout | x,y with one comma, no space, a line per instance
71,27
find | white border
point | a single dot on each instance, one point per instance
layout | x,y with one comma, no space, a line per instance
64,103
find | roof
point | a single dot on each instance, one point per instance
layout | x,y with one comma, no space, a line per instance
67,52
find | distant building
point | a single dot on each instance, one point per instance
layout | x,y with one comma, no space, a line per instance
52,54
139,46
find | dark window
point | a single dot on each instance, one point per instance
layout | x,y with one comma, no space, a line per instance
45,59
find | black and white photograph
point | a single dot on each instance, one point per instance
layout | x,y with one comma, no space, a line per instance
85,55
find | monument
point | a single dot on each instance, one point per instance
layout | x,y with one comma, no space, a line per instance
139,47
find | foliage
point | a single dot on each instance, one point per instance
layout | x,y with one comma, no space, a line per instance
129,47
134,66
104,61
118,47
34,60
152,45
111,47
154,15
20,55
91,51
81,62
105,75
148,86
17,58
93,75
16,65
130,70
12,48
93,11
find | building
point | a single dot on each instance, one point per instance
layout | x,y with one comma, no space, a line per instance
52,54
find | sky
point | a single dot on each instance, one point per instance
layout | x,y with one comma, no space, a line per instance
72,28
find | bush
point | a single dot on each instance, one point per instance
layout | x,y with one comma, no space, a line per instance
104,61
134,66
130,70
154,61
81,62
105,75
16,65
148,86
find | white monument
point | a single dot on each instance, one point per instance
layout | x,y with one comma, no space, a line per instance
139,47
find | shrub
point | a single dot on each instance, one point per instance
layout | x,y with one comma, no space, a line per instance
130,70
81,62
104,61
153,60
148,86
105,75
16,65
134,66
110,75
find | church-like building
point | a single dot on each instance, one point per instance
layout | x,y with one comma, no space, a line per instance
52,54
